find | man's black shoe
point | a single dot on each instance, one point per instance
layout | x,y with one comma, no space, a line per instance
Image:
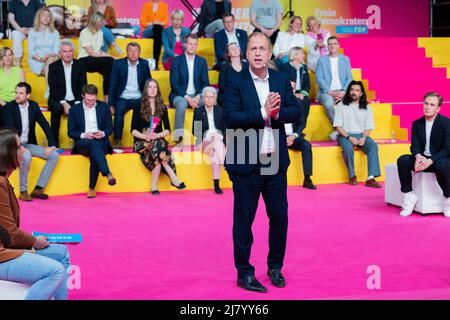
276,278
250,283
308,184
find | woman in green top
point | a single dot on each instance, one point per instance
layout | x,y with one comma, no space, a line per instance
10,76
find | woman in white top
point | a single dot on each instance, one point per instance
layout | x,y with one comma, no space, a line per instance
293,37
316,41
90,53
43,44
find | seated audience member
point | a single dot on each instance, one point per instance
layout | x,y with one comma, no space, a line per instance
293,37
297,72
354,122
228,35
43,43
107,10
295,139
127,82
234,63
188,77
266,17
150,143
211,14
90,125
23,257
10,76
154,18
90,53
21,115
333,75
430,152
316,41
173,38
66,78
21,16
209,131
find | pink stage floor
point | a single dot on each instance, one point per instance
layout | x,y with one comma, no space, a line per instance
178,246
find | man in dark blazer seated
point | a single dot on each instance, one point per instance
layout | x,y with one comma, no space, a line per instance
228,35
21,115
430,152
66,78
188,77
128,77
90,125
257,103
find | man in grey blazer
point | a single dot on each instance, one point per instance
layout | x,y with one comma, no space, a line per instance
333,75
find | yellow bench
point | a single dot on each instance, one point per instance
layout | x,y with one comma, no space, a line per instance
317,129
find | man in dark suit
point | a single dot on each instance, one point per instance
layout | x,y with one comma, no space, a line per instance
90,125
128,78
228,35
66,78
21,115
257,103
430,148
188,77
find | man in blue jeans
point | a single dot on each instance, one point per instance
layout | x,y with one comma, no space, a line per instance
354,122
21,115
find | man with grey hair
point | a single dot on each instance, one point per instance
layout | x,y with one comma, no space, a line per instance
66,78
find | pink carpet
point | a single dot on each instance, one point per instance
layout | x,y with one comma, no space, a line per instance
400,73
178,245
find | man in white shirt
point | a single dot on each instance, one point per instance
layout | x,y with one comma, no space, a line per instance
188,77
333,75
22,115
257,103
430,152
128,78
90,125
354,122
66,78
230,34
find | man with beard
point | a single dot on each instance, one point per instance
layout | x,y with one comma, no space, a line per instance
354,122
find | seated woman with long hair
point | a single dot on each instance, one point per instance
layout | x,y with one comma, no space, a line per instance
23,257
150,144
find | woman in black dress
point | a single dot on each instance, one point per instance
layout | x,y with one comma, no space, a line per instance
150,144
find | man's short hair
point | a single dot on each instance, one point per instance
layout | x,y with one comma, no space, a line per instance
24,85
191,36
89,89
434,94
333,38
227,14
67,42
134,44
260,34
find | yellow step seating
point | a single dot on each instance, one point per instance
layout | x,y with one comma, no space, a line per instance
205,49
71,175
39,84
438,49
317,129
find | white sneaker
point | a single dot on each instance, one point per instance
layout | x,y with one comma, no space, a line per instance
47,92
333,136
447,207
409,202
151,64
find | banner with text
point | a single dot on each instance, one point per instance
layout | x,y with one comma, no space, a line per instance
380,18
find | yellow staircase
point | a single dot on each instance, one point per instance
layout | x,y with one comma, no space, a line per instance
439,50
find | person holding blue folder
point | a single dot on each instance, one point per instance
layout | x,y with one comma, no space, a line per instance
23,257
